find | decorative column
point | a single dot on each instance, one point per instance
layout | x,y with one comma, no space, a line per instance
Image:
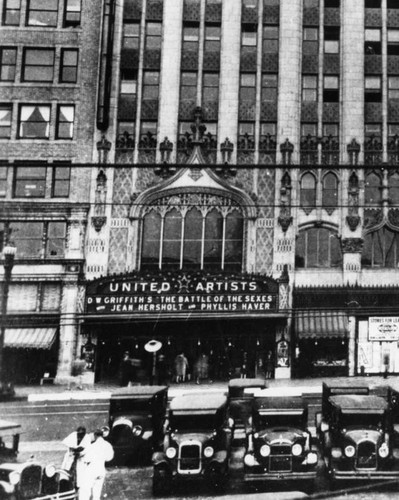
283,357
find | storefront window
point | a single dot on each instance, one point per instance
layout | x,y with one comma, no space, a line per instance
381,249
318,247
193,238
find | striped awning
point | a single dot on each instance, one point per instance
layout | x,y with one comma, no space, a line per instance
29,338
319,324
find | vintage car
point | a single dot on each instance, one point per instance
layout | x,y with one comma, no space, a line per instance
9,439
196,444
136,419
279,445
356,431
32,481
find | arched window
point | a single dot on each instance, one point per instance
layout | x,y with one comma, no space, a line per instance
381,249
318,247
193,237
372,190
330,191
308,191
394,190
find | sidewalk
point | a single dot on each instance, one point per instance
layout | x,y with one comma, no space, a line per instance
286,387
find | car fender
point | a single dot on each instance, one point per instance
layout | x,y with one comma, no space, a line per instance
158,458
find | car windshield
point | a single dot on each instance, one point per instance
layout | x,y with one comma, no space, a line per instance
361,420
130,405
279,420
205,422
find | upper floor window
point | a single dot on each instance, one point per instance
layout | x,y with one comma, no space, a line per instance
30,182
308,129
318,247
190,37
331,39
38,65
65,121
151,85
394,189
308,191
270,39
188,86
69,65
310,41
8,61
372,4
39,239
5,121
250,4
34,121
269,88
393,42
247,87
153,37
332,4
3,181
372,41
72,13
248,37
393,87
330,191
11,12
131,36
61,182
372,130
372,189
372,89
42,13
128,82
392,4
212,38
331,89
309,88
381,249
210,89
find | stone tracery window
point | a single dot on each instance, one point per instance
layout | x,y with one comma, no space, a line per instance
193,232
381,248
318,247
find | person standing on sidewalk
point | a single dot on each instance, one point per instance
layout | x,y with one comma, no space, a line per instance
99,452
77,442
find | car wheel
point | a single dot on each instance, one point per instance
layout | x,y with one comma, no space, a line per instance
161,482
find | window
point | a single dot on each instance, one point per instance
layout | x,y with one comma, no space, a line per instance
268,129
65,121
310,4
373,190
55,244
372,44
8,61
193,239
30,182
393,189
330,191
150,85
72,13
393,87
250,4
372,130
128,82
190,38
34,121
330,129
148,128
61,181
308,191
212,38
38,65
69,66
393,130
310,41
270,39
248,37
372,4
188,86
393,42
269,88
39,239
12,12
392,4
331,89
42,13
3,184
308,129
309,88
246,128
318,247
210,90
153,36
131,36
332,4
247,87
372,91
5,121
381,249
331,39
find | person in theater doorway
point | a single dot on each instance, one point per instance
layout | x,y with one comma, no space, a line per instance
99,452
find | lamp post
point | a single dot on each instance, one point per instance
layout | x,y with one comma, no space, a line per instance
9,253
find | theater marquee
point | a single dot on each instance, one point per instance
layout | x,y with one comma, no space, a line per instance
182,293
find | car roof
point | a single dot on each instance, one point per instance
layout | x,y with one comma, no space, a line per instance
138,391
281,404
247,382
8,428
194,403
357,403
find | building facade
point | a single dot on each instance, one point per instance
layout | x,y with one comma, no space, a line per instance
217,175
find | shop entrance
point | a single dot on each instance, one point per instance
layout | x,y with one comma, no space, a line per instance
215,350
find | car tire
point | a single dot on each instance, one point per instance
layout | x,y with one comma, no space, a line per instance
161,482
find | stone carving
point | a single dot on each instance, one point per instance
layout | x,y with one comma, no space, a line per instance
352,245
353,151
353,221
286,150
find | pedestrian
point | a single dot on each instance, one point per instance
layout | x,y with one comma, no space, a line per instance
269,365
77,443
99,452
181,366
125,370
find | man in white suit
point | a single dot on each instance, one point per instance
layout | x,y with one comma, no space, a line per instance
77,442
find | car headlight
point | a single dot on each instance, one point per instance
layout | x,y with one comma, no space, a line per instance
249,460
50,470
171,452
296,449
14,477
312,458
336,452
208,452
350,451
383,450
265,450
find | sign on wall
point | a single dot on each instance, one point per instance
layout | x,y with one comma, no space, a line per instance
383,329
182,292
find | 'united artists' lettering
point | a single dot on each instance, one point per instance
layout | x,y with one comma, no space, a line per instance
199,287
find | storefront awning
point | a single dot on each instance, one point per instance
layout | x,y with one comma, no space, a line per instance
319,324
29,338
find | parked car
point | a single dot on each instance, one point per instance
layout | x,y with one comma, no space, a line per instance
32,481
9,439
196,444
279,444
356,430
136,419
